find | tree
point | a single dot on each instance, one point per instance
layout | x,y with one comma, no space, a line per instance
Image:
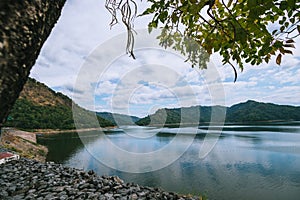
238,29
241,31
25,26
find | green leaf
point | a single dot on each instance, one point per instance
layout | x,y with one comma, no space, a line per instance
292,20
277,44
150,29
174,18
290,13
286,24
229,3
252,4
241,35
163,16
152,25
273,32
283,5
148,11
291,3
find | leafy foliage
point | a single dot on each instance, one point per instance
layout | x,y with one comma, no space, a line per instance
249,111
243,31
237,29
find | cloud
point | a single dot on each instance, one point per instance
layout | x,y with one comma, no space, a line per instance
79,60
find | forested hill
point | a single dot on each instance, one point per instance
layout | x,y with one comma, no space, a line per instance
119,119
250,111
39,107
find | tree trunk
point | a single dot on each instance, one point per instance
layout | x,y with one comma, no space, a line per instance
25,26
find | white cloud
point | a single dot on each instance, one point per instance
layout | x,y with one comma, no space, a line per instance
157,78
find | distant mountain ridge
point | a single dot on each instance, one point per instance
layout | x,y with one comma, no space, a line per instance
250,111
118,119
39,107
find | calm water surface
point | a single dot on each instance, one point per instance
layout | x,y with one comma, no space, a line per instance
248,162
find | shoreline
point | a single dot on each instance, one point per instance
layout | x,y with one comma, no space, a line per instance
29,135
267,122
53,131
23,143
30,179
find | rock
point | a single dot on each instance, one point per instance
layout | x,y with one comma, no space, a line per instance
106,188
142,194
27,179
134,197
19,197
63,197
117,195
108,195
11,189
83,186
117,187
3,193
31,191
118,180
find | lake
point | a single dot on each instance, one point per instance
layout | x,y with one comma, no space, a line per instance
248,161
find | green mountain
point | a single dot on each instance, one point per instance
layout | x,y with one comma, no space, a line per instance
118,119
186,115
247,112
39,107
252,111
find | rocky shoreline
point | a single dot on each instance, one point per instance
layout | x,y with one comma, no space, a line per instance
30,179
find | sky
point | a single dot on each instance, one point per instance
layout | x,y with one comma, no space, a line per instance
86,60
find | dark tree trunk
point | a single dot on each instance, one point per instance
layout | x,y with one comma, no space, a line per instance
25,26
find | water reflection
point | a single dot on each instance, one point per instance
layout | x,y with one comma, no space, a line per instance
258,163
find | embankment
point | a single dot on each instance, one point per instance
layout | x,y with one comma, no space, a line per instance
23,143
30,179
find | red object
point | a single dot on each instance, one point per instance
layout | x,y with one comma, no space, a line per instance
5,155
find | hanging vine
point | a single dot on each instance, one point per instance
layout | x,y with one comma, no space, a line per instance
128,11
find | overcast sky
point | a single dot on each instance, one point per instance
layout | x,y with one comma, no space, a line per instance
85,59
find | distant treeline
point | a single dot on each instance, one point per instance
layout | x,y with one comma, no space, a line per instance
250,111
